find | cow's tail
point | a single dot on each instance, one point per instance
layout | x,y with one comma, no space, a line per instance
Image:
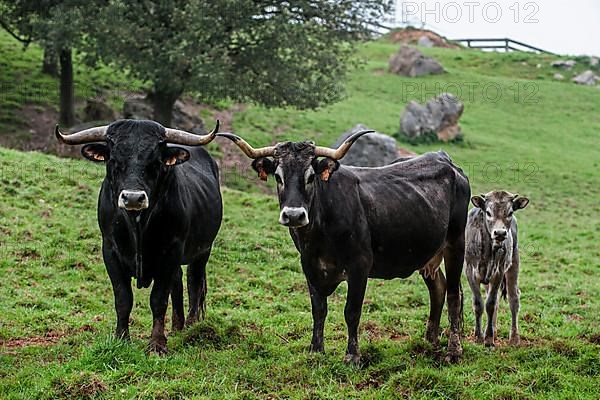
461,325
503,289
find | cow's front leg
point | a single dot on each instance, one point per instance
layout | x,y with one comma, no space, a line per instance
477,303
491,307
159,299
357,286
121,284
319,312
512,287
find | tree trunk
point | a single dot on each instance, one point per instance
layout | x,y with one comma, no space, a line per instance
67,94
50,65
163,102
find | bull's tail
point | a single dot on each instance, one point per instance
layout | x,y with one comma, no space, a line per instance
503,289
203,291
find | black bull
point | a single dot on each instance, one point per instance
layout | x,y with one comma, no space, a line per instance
159,207
357,223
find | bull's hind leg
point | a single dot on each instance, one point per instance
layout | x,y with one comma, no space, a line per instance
177,300
454,255
196,283
436,284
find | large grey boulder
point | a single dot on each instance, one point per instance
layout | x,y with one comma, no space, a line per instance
409,61
588,78
564,64
424,41
439,116
183,117
372,150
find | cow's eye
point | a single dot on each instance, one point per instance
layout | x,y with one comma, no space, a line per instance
310,178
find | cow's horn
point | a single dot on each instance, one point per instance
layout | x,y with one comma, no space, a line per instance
340,152
247,149
97,134
176,136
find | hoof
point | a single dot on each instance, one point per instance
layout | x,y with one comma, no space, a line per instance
319,348
177,326
159,349
489,342
452,358
514,340
352,359
479,339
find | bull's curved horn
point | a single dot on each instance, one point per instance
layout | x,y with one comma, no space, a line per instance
176,136
247,149
340,152
97,134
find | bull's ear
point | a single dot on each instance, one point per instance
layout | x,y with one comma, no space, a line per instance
95,152
478,201
175,155
264,166
326,167
520,202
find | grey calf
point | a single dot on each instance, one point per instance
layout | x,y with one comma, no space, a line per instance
492,258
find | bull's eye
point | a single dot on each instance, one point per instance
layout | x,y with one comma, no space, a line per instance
310,178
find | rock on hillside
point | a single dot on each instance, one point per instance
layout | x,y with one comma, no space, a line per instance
371,150
414,36
439,115
588,78
409,61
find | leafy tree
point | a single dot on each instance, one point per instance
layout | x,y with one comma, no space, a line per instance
292,53
57,26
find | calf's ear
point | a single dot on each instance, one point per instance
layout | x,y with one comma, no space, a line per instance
478,201
264,166
95,152
175,155
326,167
520,202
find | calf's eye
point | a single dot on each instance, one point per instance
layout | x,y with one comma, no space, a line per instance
489,214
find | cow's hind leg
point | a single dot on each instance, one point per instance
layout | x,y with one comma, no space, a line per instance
436,284
319,312
454,255
177,300
196,283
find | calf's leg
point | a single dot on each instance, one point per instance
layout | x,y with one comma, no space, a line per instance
477,303
177,300
196,283
491,307
514,294
436,285
357,285
495,316
319,312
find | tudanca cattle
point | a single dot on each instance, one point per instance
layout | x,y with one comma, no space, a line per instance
492,258
159,207
353,223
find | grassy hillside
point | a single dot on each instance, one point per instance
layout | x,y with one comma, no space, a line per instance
57,308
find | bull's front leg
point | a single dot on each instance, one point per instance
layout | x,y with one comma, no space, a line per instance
357,285
491,308
159,300
477,302
319,312
121,284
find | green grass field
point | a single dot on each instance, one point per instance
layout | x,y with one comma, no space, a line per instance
539,138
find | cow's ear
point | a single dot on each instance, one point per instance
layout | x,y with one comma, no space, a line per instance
175,155
478,201
264,166
520,202
326,167
95,152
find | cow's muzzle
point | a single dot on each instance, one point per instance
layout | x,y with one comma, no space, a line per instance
294,217
133,200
